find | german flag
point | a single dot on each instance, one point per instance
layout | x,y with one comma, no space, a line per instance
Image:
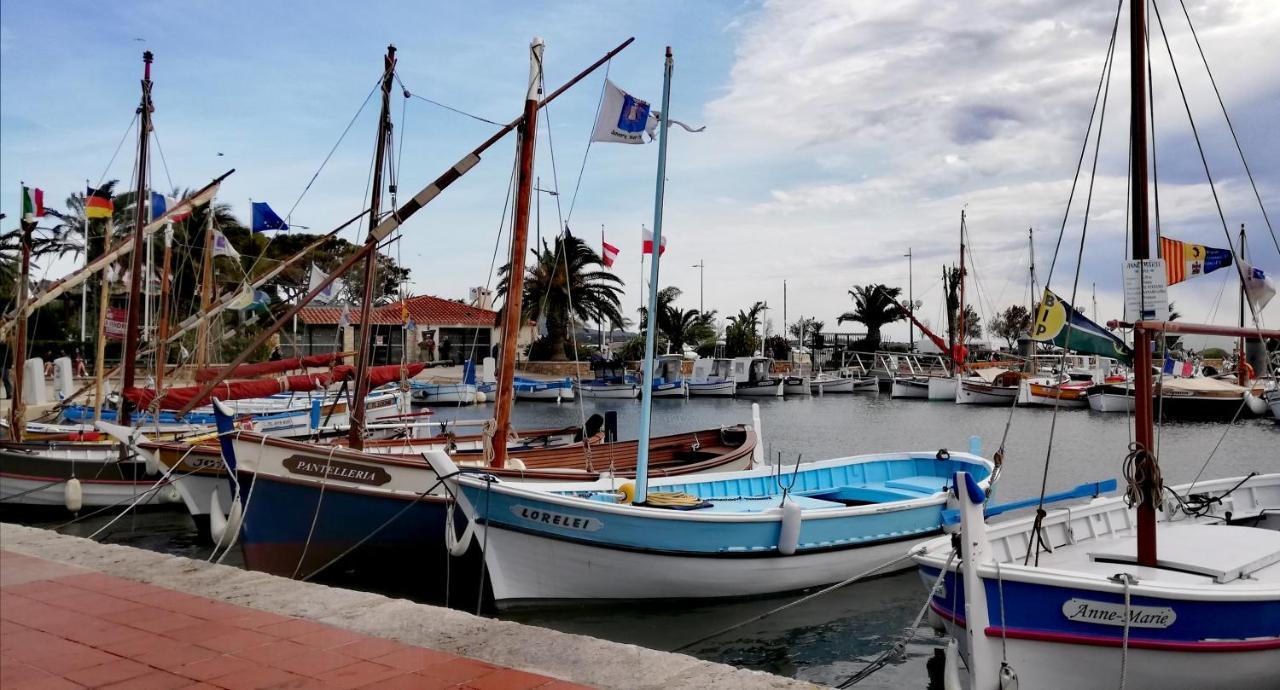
97,203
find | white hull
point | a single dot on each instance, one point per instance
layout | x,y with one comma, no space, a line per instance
670,391
712,388
627,390
1109,402
799,388
909,388
771,391
96,494
447,394
836,385
981,394
943,388
545,394
530,568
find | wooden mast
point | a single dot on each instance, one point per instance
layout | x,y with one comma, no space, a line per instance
364,355
206,293
1146,471
104,302
513,309
1241,359
394,220
17,410
162,331
131,340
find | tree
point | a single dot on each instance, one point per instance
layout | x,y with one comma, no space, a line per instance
972,324
680,327
808,332
563,283
741,335
951,286
874,308
1011,324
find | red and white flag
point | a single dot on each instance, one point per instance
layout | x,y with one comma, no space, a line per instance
647,244
608,252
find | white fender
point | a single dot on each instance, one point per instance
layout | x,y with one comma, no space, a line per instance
235,516
217,519
951,671
73,495
514,464
789,534
480,397
1256,405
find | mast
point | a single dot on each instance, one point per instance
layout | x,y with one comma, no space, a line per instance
1148,484
206,294
646,393
100,357
364,356
1241,359
163,329
394,220
960,325
512,311
131,339
17,410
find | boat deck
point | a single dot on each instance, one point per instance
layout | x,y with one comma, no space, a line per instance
864,493
1188,554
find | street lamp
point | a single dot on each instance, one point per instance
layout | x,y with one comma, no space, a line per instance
537,187
701,265
911,300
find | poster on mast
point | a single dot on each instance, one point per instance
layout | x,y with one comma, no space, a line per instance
1146,290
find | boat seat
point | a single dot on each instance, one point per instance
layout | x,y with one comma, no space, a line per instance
924,484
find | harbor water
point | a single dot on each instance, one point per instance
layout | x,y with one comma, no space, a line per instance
830,638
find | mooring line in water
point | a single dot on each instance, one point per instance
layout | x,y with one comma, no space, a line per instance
899,648
797,602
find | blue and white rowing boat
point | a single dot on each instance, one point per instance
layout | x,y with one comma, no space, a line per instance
745,534
536,389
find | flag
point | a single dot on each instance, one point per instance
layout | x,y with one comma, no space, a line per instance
646,245
1257,285
97,203
161,204
1183,260
1169,364
222,246
622,117
1060,324
32,203
265,219
344,319
608,252
329,293
1188,369
243,298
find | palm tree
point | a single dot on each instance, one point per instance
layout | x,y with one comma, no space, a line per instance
562,284
874,308
741,335
680,327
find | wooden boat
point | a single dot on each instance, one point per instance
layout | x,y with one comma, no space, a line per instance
1194,399
431,393
669,381
37,474
910,387
297,494
989,386
712,377
1051,391
535,389
611,380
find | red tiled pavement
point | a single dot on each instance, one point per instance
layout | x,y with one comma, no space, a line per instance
65,627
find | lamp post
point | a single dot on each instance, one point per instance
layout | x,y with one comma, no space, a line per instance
537,187
911,300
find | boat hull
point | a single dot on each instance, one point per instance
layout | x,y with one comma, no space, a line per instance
943,387
796,385
445,394
609,390
833,385
752,390
975,393
1043,394
674,389
712,388
909,388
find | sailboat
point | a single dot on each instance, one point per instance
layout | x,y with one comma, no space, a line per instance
934,383
758,531
1163,587
305,505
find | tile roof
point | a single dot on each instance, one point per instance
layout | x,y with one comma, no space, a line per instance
425,310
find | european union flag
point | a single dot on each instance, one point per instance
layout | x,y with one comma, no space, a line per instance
265,219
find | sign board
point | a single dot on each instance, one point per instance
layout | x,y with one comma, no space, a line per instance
1146,290
116,324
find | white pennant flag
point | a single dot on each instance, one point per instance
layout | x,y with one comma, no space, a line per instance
1257,285
329,293
623,117
344,319
222,246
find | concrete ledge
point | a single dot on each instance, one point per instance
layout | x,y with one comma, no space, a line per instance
575,658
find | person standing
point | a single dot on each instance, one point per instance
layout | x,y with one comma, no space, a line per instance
80,368
429,348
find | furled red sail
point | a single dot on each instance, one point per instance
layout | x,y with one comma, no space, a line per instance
177,398
276,367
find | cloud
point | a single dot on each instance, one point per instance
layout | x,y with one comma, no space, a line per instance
848,132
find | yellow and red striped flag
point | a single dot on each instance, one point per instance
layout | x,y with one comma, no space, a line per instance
1184,260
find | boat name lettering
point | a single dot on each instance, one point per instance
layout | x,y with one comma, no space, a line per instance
547,517
337,469
1104,613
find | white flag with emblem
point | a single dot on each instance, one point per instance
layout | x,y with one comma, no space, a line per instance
222,246
329,293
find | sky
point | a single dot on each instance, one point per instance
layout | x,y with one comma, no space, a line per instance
839,135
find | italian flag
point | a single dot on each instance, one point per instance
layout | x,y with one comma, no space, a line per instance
32,203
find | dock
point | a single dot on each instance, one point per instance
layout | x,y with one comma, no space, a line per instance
76,613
